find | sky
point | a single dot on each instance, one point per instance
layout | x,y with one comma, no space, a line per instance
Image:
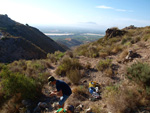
88,13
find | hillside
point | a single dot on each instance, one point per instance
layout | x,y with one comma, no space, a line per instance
29,41
124,80
69,42
119,62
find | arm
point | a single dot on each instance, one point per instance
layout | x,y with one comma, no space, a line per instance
57,93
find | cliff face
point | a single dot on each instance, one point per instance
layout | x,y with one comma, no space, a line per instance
23,41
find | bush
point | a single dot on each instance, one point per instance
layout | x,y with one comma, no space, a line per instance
116,49
81,50
56,56
122,97
104,64
74,76
81,93
124,40
88,65
13,83
35,68
88,51
139,72
67,64
103,54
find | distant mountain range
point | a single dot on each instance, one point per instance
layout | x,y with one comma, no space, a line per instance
18,41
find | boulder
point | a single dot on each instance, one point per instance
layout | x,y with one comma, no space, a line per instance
113,32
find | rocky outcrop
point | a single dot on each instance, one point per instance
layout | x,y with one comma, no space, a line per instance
113,32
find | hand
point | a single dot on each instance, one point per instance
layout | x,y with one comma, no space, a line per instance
52,94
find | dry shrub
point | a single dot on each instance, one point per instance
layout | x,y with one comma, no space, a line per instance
18,66
103,54
109,72
142,45
80,93
97,109
74,76
121,97
12,105
146,37
116,49
70,54
102,65
123,55
88,65
108,49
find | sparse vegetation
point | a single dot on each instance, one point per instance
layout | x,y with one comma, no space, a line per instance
66,65
120,95
122,90
104,64
56,56
13,83
139,72
80,93
74,75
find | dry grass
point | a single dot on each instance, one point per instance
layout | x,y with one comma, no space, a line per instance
122,97
103,54
102,65
88,65
97,109
80,93
116,49
74,75
122,55
12,105
66,65
109,72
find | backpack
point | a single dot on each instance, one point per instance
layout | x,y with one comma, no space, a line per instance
92,84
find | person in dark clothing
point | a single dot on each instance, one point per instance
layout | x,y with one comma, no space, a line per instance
63,90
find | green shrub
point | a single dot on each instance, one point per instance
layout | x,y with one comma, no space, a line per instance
104,64
56,56
82,50
35,68
124,40
13,83
67,64
146,37
88,51
116,49
139,72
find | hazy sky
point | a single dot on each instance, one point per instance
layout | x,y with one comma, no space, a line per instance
104,13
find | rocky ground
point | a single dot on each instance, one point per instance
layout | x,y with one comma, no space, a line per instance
92,74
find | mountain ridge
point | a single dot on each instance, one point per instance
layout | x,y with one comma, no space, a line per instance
40,42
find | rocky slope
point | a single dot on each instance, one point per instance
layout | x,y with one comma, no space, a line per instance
113,100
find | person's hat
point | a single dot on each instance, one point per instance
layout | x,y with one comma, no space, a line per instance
70,107
50,79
